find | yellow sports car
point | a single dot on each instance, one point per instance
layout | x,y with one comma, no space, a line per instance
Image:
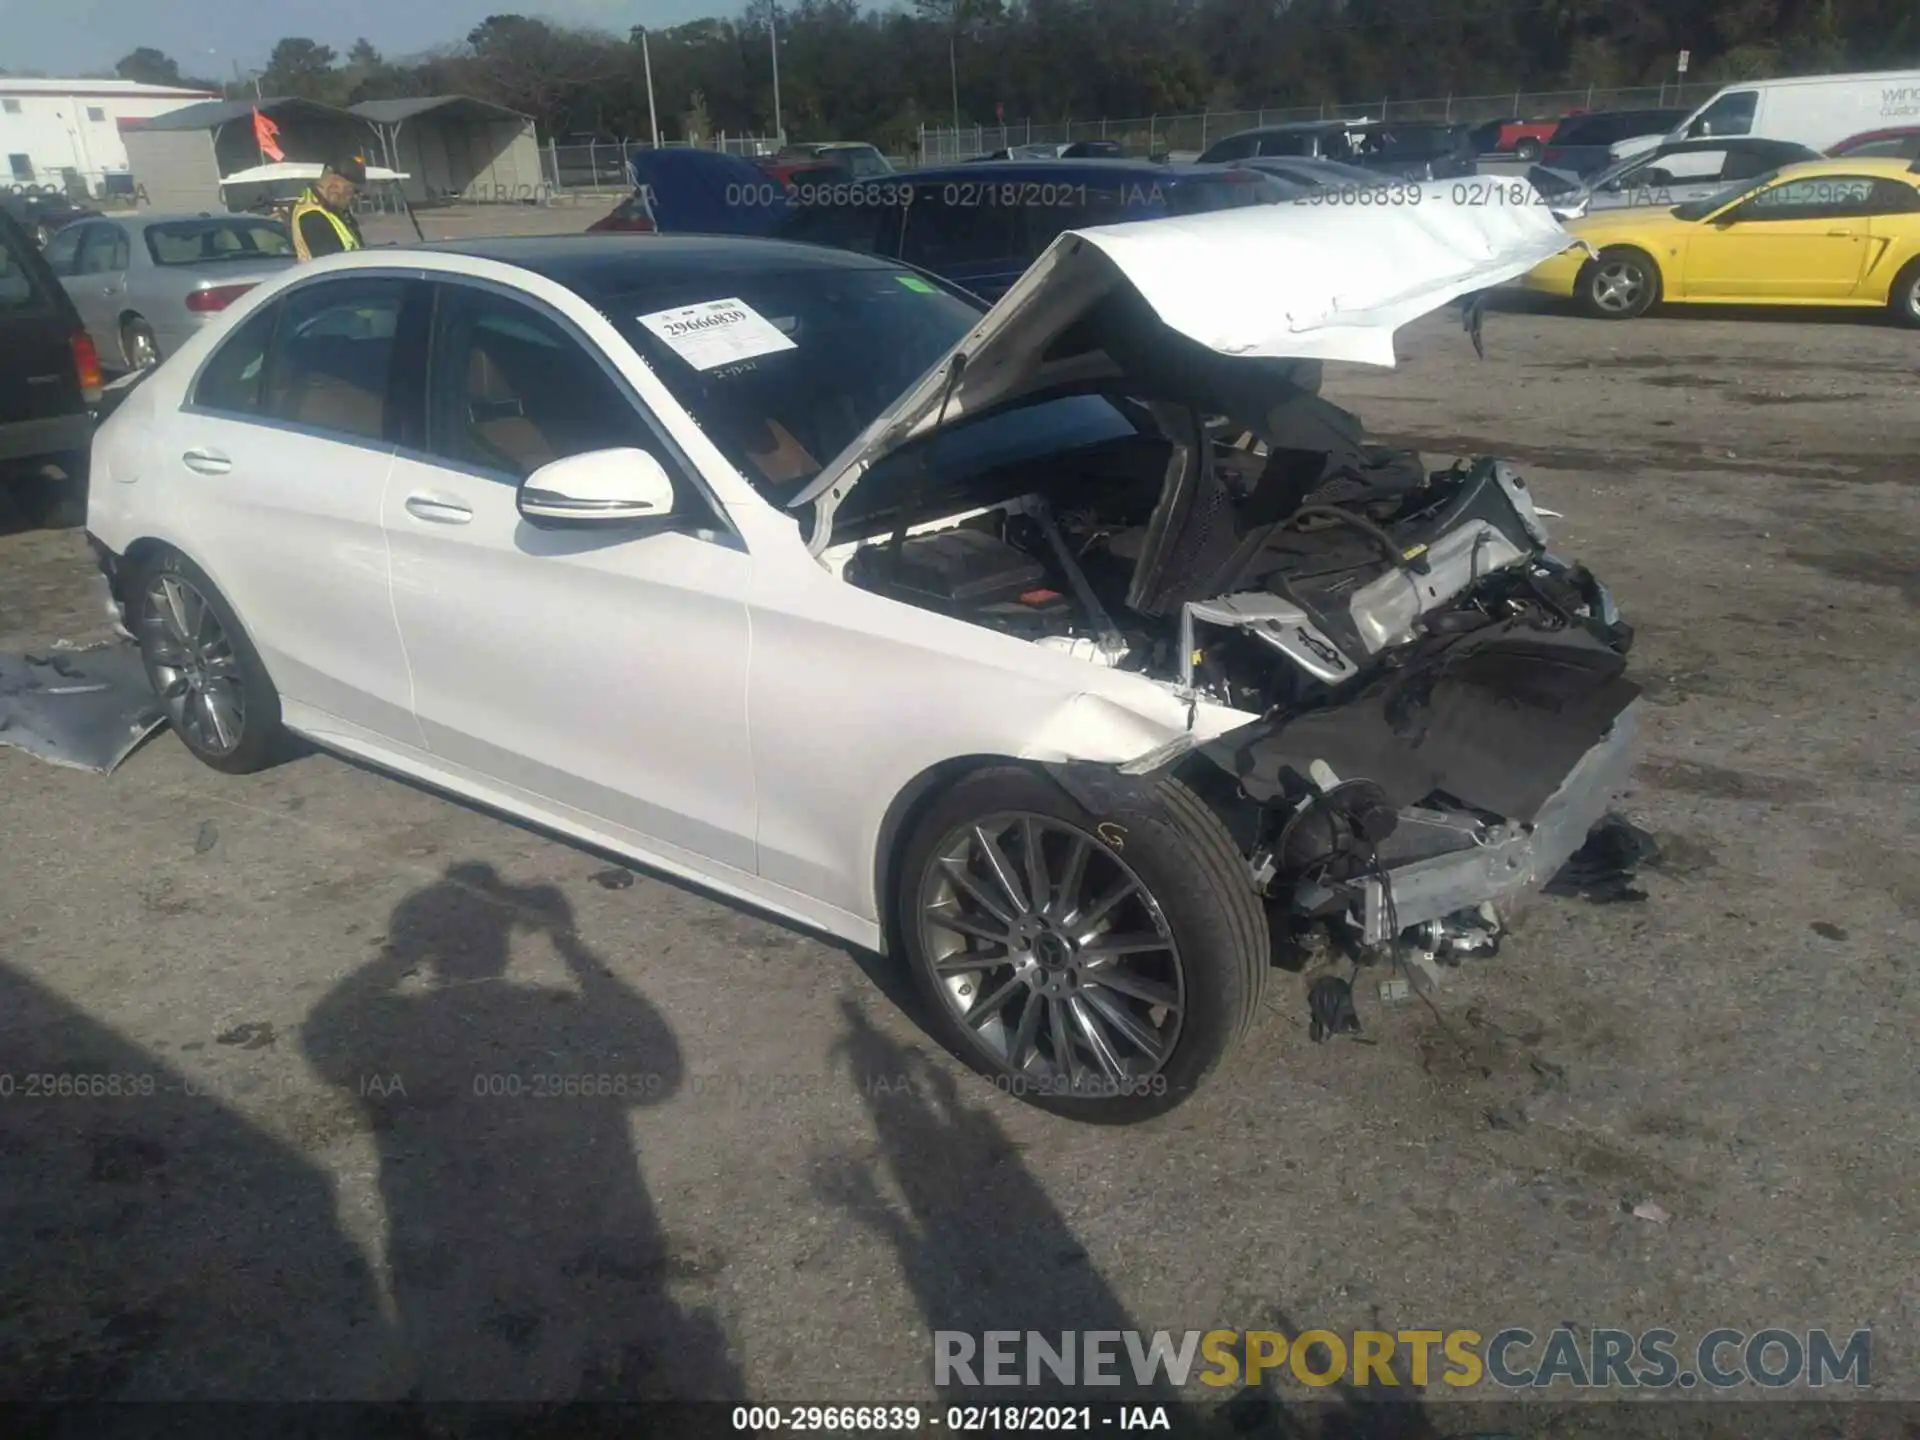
1823,232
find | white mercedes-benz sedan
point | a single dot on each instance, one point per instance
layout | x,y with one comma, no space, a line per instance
1077,652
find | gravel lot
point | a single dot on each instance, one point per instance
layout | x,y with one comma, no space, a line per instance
311,967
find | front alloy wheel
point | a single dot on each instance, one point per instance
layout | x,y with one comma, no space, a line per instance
1052,955
1618,286
1100,966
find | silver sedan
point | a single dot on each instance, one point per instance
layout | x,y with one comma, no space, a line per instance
144,283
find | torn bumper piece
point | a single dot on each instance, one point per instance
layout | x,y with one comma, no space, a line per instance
1502,860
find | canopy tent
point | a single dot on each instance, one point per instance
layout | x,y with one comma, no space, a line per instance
298,170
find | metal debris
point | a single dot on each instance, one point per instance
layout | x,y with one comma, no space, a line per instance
85,709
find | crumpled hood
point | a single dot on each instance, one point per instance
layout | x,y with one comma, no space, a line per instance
1292,281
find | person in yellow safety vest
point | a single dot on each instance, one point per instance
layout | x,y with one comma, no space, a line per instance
322,220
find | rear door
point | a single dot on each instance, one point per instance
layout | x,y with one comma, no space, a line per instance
37,376
277,465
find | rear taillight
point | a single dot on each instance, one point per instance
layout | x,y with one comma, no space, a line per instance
86,367
215,297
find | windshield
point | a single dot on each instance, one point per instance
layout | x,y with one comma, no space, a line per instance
1700,209
196,242
782,368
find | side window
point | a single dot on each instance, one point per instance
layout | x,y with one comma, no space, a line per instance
230,383
1729,115
941,235
1893,197
1823,197
63,249
869,229
1745,164
103,250
1237,147
509,390
332,356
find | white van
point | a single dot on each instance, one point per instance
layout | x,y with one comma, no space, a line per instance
1818,110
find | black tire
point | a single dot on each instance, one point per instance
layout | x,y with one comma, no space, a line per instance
139,346
1527,150
1622,284
1186,863
1904,299
259,742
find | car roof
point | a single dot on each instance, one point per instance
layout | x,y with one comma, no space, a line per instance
1891,167
600,263
1092,168
1890,132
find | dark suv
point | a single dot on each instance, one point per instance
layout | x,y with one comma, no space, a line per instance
49,372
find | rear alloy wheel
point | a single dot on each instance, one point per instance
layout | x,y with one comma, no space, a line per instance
139,345
1620,285
1904,300
1098,968
204,670
1527,150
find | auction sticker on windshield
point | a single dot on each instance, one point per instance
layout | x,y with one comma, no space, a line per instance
716,332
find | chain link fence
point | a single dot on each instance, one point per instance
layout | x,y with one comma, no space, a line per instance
1190,134
601,165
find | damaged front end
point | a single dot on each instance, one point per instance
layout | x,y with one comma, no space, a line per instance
1442,709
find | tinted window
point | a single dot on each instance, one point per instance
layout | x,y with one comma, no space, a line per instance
1745,162
868,229
1194,197
857,336
1729,115
941,235
1100,207
230,383
1295,142
1829,197
510,390
1235,147
189,242
332,356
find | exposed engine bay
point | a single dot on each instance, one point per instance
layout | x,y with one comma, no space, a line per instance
1443,709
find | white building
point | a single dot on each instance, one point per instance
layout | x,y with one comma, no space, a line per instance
65,134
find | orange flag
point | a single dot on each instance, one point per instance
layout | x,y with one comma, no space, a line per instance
267,135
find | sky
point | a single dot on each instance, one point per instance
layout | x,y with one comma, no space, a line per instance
207,37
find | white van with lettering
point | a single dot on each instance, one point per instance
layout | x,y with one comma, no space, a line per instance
1816,110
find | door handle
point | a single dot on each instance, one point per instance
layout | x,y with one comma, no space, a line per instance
111,290
206,462
1841,234
440,512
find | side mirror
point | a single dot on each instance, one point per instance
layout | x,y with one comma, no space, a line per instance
599,488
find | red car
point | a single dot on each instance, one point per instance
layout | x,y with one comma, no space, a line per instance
1898,142
1525,139
632,214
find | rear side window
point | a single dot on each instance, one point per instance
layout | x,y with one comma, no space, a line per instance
1234,147
870,229
63,250
332,356
1294,143
103,251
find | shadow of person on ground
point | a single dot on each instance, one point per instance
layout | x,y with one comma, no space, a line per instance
1340,1411
525,1259
159,1246
980,1243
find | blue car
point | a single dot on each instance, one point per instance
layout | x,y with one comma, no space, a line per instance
977,225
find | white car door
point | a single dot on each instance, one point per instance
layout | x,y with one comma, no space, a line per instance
601,675
276,465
